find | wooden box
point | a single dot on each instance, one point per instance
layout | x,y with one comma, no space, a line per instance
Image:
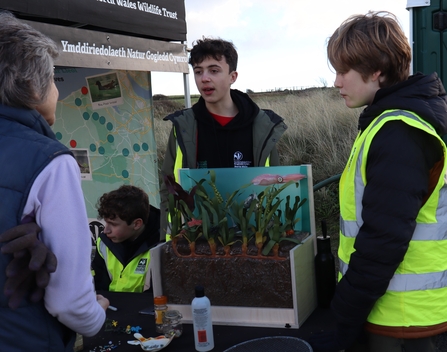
301,272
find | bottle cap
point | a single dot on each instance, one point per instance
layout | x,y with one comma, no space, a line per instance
200,291
160,300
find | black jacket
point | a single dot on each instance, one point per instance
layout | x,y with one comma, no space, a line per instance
216,144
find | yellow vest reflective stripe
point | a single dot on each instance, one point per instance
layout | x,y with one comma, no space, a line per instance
124,279
416,295
178,164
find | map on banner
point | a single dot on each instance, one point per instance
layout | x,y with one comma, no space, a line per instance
114,144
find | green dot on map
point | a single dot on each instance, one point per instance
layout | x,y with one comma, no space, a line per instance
95,116
126,152
102,120
109,126
145,147
136,147
58,136
125,173
110,138
78,102
92,147
101,150
86,116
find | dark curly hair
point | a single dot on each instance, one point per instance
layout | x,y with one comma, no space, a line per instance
127,202
215,48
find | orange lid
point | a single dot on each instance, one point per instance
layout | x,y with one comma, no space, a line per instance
160,300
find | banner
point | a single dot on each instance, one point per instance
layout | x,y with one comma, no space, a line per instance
158,19
84,48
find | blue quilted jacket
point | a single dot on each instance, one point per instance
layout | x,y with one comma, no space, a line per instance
27,145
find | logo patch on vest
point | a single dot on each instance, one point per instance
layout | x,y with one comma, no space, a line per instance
141,266
238,158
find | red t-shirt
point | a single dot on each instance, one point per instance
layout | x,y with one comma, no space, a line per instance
222,120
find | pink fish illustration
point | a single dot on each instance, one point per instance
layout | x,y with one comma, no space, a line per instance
292,177
270,179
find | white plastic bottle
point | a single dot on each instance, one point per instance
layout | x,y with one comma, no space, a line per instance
202,321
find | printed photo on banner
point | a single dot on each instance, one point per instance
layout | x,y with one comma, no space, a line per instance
105,90
81,156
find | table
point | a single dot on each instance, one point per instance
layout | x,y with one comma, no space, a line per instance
129,304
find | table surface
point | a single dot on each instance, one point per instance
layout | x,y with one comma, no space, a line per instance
129,304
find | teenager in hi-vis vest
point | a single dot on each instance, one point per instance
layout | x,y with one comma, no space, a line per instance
392,289
122,255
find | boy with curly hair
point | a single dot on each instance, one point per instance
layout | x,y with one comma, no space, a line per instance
122,250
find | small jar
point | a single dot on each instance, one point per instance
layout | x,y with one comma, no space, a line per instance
172,323
160,308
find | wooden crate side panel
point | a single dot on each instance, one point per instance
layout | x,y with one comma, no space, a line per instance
303,279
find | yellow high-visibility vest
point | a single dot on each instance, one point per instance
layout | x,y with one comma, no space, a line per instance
130,278
417,294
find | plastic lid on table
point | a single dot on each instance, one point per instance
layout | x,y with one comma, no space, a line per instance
160,300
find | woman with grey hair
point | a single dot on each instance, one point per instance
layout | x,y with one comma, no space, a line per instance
41,184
